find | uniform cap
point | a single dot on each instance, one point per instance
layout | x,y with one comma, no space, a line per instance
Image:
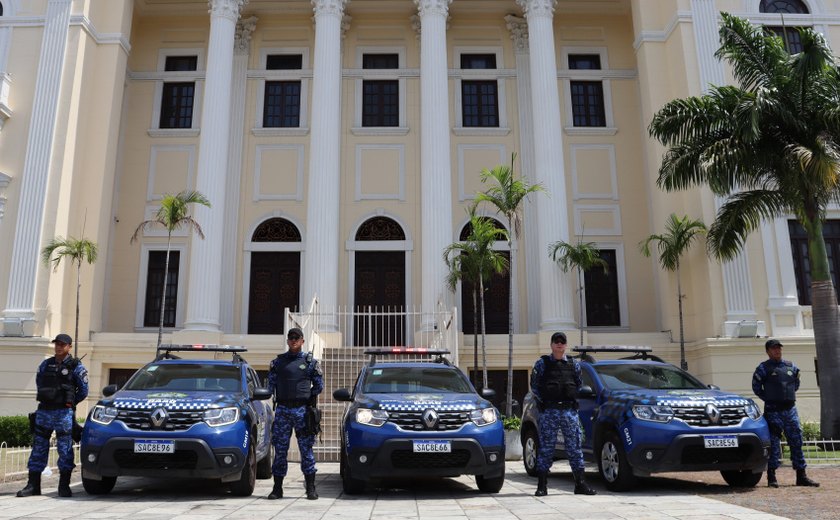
772,343
294,333
63,338
558,337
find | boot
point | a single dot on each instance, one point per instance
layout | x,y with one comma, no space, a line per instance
581,487
64,484
771,479
311,493
542,485
33,485
803,480
277,492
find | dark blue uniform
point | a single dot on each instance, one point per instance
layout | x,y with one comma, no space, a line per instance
60,387
291,396
776,384
557,416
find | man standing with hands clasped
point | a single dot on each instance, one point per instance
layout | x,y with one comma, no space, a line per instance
776,381
296,379
555,381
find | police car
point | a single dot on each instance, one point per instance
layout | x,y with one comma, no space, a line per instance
418,418
191,418
640,416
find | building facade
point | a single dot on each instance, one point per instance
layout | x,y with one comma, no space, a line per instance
340,143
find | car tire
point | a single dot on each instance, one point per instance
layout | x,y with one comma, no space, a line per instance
741,479
264,465
613,465
244,487
350,485
492,484
99,487
530,448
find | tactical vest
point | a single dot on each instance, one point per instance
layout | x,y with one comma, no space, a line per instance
558,382
57,388
780,384
293,380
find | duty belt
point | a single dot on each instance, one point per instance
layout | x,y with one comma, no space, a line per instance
562,405
292,403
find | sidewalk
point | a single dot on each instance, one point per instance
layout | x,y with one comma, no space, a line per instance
145,499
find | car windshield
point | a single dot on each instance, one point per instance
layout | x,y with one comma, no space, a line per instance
631,376
393,380
186,377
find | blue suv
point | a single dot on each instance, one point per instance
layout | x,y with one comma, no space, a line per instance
188,418
418,418
640,416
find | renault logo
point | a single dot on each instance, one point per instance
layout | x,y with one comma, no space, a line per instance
158,417
713,413
430,418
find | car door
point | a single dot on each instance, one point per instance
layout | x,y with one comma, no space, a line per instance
587,407
264,415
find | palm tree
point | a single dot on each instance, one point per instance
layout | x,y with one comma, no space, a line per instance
679,234
474,260
583,257
507,194
771,147
75,250
172,215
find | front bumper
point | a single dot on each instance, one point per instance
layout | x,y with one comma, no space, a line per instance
687,453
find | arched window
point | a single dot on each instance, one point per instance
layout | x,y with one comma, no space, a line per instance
274,283
380,228
1,9
467,229
497,289
276,230
788,34
783,6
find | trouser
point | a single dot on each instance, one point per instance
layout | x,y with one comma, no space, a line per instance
566,421
47,421
286,419
786,421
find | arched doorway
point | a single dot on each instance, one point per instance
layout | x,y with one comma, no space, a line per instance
496,293
380,288
275,276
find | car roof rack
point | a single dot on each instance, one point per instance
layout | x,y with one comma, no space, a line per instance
165,350
407,351
639,352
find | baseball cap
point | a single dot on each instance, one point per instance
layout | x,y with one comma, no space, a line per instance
558,337
294,333
63,338
772,343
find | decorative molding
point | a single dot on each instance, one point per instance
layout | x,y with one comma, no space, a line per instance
518,28
400,194
345,25
461,151
229,9
329,7
4,183
189,149
612,194
244,32
581,229
173,132
5,109
481,131
537,7
260,169
432,7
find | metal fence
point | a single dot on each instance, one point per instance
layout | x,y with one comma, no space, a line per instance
13,460
817,452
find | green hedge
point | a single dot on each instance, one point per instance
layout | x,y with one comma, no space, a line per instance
14,430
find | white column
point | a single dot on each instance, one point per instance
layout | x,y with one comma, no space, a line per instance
737,286
205,276
20,300
552,214
435,161
320,268
241,50
518,28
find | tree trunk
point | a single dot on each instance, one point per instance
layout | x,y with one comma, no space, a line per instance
483,330
580,305
683,362
78,290
475,337
509,394
163,293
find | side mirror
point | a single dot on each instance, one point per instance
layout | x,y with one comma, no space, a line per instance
586,391
260,394
110,390
713,387
342,394
488,393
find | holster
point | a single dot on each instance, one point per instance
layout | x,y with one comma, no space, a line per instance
32,423
313,420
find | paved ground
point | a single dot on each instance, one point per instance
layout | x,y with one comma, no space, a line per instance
142,499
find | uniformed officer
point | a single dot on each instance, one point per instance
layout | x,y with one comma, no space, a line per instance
62,383
296,380
776,381
555,381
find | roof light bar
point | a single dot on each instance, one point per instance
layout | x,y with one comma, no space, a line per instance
614,348
404,351
201,348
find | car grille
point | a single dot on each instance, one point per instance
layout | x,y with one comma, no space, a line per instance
176,421
412,420
696,415
408,459
700,455
181,459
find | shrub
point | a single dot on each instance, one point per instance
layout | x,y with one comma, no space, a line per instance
811,431
512,423
14,430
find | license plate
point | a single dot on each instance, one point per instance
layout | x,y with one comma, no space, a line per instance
154,446
432,447
720,441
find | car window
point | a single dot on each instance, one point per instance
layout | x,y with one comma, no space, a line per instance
587,380
193,377
387,380
252,379
632,376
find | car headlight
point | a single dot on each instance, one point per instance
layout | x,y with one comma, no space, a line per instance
653,413
103,414
752,411
484,416
221,416
371,417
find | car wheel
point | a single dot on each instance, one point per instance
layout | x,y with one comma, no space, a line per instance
99,487
530,447
244,487
741,479
264,465
490,485
350,485
613,465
